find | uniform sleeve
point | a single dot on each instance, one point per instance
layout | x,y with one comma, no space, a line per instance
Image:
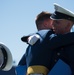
61,40
22,61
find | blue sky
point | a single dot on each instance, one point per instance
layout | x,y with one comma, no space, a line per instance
17,19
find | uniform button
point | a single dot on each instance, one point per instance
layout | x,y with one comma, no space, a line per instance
58,54
61,48
55,60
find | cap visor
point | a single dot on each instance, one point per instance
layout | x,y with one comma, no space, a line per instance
24,38
55,17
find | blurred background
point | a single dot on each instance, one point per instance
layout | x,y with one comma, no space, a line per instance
17,18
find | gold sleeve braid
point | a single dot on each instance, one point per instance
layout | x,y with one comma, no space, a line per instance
37,69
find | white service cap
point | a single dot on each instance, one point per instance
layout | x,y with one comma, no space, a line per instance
62,13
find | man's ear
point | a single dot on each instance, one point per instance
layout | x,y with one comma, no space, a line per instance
69,26
45,22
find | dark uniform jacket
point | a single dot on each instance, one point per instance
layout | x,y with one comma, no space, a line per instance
67,55
49,49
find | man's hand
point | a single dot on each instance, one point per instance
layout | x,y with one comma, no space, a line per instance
33,39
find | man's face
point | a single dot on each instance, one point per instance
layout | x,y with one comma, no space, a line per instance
59,26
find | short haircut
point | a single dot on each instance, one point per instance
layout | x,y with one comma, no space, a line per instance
41,17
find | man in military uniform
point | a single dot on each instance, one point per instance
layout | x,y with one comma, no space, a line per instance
41,53
63,20
61,26
43,21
